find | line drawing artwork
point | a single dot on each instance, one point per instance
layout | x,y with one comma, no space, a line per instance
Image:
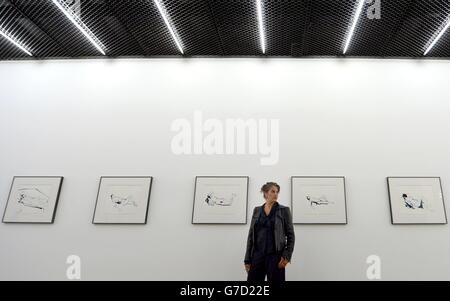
412,202
212,200
318,201
121,202
33,198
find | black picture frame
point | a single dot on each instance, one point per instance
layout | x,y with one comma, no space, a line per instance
53,216
215,176
415,177
320,177
124,177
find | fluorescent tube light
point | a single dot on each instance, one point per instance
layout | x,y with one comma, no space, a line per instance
68,12
355,21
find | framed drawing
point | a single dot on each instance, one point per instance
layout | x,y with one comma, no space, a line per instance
318,200
416,200
33,200
122,200
220,200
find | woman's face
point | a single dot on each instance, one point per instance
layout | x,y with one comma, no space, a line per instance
272,194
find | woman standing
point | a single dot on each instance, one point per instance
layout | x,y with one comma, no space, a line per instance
271,238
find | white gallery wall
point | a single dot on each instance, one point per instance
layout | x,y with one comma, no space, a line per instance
362,119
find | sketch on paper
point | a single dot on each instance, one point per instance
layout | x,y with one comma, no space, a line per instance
416,200
212,199
33,198
412,202
120,202
318,201
220,200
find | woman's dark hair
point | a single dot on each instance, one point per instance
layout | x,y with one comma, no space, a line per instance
266,187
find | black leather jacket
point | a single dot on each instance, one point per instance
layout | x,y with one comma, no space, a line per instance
284,232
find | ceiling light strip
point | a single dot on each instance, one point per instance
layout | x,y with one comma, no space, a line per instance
15,42
261,26
70,14
172,33
441,33
355,21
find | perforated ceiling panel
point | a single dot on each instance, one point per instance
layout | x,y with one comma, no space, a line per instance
19,26
196,27
237,26
298,28
285,23
144,22
419,27
373,35
328,24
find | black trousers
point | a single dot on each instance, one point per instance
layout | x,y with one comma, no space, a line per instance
267,265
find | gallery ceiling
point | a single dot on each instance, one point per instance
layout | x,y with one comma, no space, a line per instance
49,29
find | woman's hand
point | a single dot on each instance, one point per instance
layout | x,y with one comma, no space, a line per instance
283,262
247,267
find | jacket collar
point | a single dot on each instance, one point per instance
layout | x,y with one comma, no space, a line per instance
273,210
